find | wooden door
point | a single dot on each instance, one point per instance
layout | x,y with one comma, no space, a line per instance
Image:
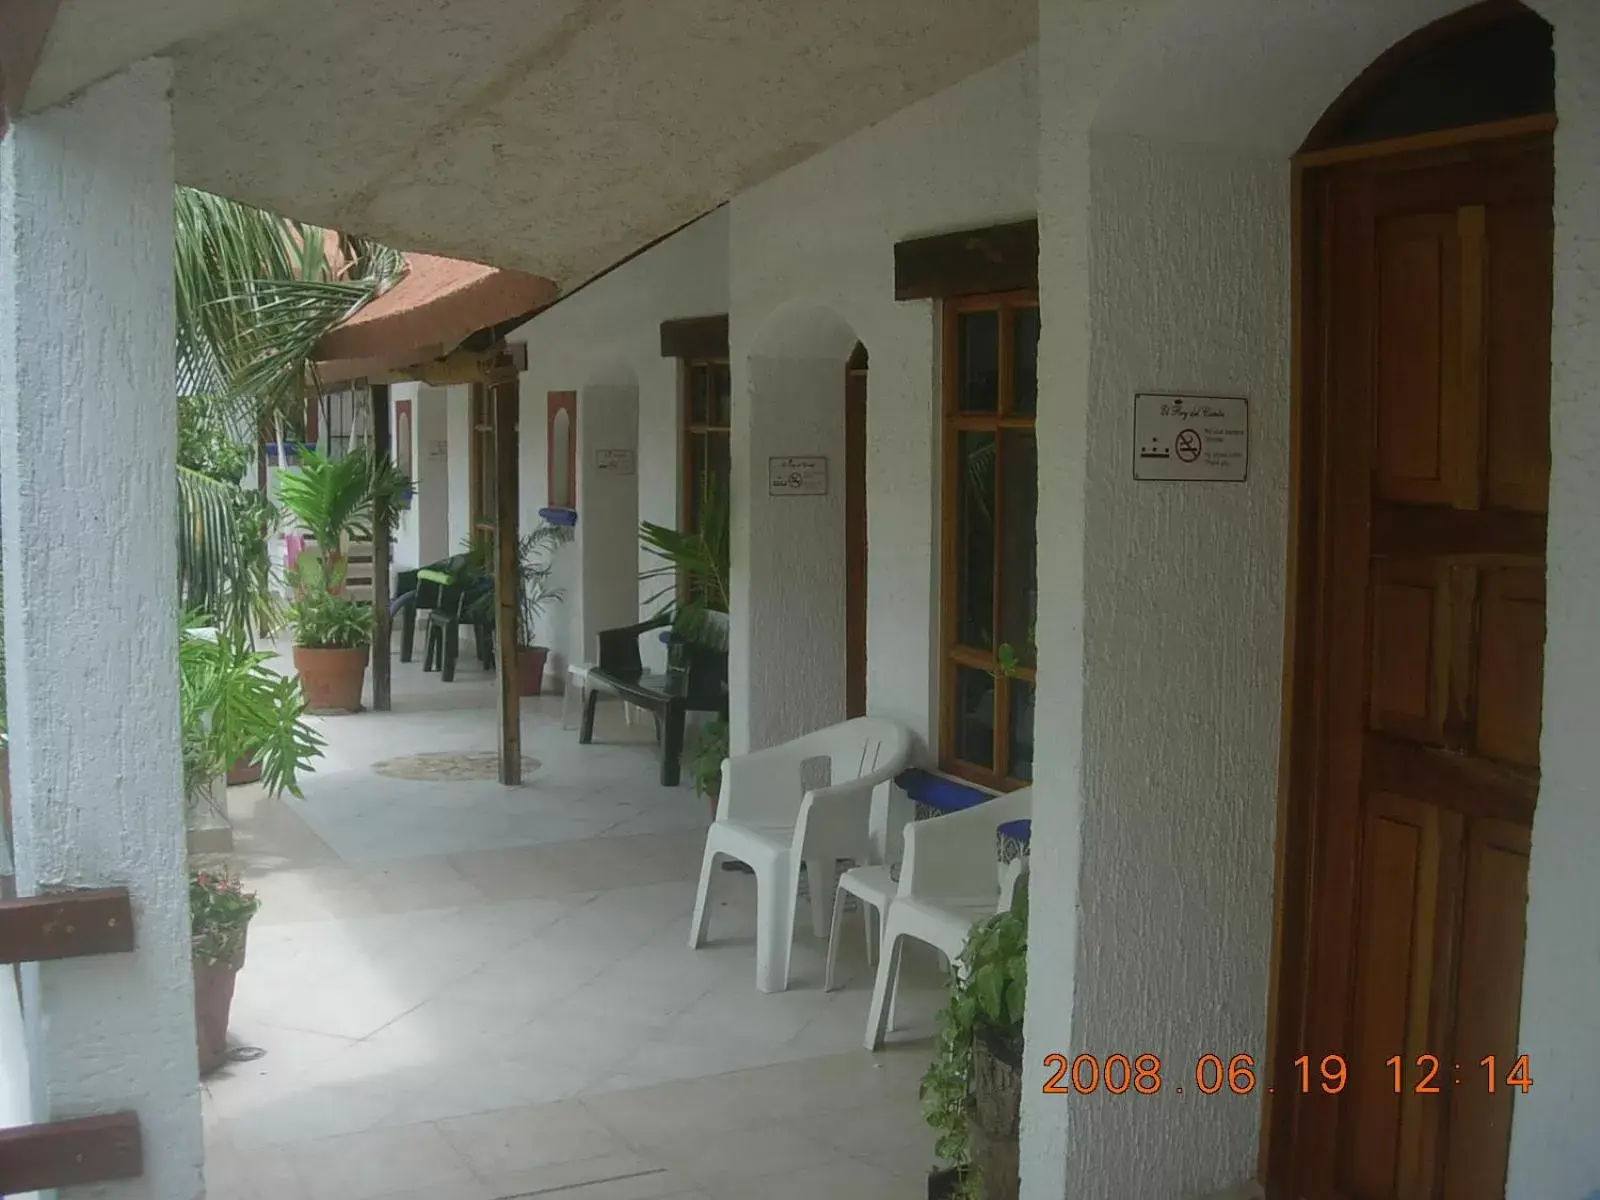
855,532
1426,360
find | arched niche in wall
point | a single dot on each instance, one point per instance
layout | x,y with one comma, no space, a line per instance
561,416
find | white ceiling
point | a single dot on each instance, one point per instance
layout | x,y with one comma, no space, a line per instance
553,136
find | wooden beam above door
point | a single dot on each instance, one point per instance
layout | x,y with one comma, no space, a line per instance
695,337
974,262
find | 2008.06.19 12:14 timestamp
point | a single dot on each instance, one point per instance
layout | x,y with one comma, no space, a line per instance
1119,1074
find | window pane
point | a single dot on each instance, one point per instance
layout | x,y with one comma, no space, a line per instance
1019,484
975,717
699,393
721,395
975,544
1021,748
1025,361
978,361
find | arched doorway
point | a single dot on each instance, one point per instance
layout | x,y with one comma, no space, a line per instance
1424,313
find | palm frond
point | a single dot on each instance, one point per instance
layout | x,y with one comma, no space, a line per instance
255,294
208,542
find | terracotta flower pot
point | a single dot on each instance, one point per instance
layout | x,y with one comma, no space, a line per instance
530,669
331,678
243,771
213,999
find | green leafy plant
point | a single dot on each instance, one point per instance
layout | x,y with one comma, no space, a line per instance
220,912
536,551
207,443
322,618
339,498
706,756
255,294
693,575
233,708
987,993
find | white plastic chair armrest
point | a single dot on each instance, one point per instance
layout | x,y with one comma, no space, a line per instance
955,855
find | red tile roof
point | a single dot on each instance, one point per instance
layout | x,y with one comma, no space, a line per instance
439,303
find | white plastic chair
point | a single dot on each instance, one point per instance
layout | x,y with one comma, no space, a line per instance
949,881
768,819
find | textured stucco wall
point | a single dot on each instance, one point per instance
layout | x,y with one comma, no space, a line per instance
822,235
407,527
610,330
1554,1151
431,464
87,445
608,419
1190,286
458,485
1163,264
788,672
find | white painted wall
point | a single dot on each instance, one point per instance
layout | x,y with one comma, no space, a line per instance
608,419
822,234
407,525
422,534
458,475
86,316
1164,264
431,463
1554,1151
608,332
789,585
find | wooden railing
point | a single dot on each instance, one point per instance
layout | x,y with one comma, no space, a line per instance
85,1150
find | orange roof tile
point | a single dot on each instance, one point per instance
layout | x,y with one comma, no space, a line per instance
438,304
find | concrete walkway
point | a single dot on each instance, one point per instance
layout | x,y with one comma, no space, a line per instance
468,992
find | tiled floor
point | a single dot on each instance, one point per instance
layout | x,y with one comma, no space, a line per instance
467,992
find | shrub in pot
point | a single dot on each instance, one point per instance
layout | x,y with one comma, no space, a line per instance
332,637
972,1092
339,499
233,708
535,561
220,911
706,756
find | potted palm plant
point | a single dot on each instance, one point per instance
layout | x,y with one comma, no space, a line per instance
234,709
692,577
535,562
332,637
336,500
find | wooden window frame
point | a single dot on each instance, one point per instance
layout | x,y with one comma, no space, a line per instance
954,422
480,442
690,428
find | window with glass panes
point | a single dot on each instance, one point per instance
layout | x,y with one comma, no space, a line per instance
707,454
990,510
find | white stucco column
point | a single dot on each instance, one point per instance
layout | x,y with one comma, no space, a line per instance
87,453
786,661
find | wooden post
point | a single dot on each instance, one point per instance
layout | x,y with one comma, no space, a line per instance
381,522
504,398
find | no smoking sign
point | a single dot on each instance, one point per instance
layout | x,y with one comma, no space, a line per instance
1186,438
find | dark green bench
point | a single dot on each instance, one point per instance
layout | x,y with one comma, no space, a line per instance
696,681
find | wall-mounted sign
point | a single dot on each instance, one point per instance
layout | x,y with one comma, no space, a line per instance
614,462
797,476
1179,437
